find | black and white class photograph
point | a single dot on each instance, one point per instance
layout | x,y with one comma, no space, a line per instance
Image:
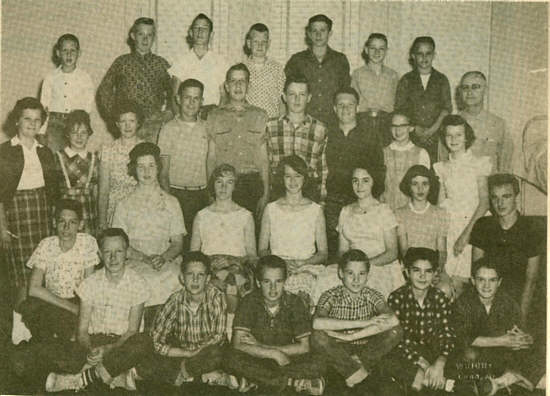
273,197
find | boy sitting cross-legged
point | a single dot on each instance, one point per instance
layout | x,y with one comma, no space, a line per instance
271,333
353,325
190,330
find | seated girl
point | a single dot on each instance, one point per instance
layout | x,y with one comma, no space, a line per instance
370,226
293,228
59,264
225,230
78,168
153,220
421,224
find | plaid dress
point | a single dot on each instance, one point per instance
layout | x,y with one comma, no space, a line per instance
78,178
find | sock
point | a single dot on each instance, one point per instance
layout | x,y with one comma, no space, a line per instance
357,377
89,376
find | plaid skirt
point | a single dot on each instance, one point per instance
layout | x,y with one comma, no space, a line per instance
29,218
87,199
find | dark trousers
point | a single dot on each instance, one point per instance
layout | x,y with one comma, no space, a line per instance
191,202
44,320
55,138
334,204
166,369
248,190
34,361
267,373
495,361
337,355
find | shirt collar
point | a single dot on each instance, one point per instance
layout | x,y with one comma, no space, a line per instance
467,157
187,298
306,121
71,153
396,147
16,141
329,54
147,56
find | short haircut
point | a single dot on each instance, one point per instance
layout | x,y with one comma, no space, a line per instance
353,255
16,113
141,150
501,179
417,41
196,257
68,204
190,83
257,27
476,73
485,262
418,170
298,165
218,172
456,120
142,21
269,261
125,107
420,253
239,66
296,79
376,172
345,90
78,118
189,37
319,18
67,37
113,232
372,36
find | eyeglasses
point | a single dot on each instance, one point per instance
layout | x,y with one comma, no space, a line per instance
473,87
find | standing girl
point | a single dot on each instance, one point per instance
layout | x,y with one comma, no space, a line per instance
67,88
464,194
78,169
28,190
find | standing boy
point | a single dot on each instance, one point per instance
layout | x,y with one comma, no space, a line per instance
488,332
300,134
190,329
424,95
353,325
140,77
237,136
271,333
326,70
183,144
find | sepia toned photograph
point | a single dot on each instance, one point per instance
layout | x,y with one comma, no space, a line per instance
273,197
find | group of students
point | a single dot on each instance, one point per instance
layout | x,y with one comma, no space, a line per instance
301,166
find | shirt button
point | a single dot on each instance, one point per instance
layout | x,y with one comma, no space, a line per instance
320,80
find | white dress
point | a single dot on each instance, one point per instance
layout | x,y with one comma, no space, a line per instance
458,178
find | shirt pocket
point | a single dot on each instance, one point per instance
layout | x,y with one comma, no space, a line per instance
253,137
223,137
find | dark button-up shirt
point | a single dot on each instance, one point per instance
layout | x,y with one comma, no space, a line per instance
362,144
325,78
177,325
238,135
143,79
472,320
290,323
511,248
423,106
423,326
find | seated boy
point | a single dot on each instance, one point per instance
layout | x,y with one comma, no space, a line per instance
190,329
425,316
271,333
487,320
108,342
353,325
59,264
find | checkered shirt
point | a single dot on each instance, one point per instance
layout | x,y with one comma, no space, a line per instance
308,140
187,147
111,303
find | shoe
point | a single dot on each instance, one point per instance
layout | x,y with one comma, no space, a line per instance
245,386
60,382
221,379
315,386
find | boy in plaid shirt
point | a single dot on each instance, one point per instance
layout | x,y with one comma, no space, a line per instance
353,325
190,330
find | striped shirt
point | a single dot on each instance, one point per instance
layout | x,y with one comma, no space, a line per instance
192,329
336,303
307,140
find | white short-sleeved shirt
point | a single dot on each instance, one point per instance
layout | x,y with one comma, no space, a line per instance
111,303
64,271
32,175
210,70
65,92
